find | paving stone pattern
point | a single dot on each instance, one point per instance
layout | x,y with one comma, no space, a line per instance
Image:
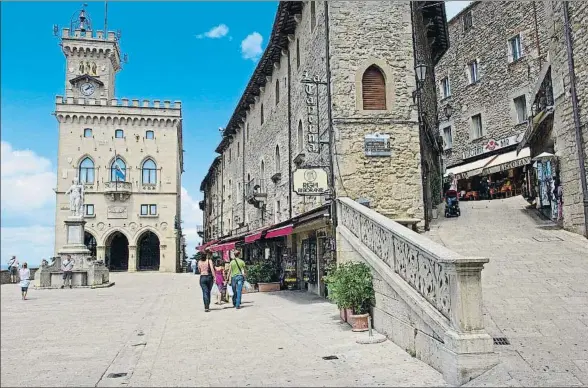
535,291
152,326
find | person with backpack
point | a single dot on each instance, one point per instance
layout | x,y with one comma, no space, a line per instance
13,268
237,276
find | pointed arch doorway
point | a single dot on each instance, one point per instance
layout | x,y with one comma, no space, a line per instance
148,252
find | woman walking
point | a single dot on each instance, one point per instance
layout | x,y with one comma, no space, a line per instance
219,280
24,274
206,269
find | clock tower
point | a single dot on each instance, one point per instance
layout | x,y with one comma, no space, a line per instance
92,59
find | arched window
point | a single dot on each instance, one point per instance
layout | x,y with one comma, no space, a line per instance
373,89
312,15
247,131
297,53
149,169
87,132
86,172
262,170
278,167
118,170
119,134
277,92
300,137
261,114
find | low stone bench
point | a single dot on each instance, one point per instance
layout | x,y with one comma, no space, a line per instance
410,223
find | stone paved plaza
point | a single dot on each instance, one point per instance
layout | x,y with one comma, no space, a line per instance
535,291
152,326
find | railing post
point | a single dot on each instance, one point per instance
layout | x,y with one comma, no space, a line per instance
465,291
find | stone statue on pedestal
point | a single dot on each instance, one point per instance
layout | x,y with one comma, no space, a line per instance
76,198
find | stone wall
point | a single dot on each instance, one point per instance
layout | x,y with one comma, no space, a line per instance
563,126
501,80
5,275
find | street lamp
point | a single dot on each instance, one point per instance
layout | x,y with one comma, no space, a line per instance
421,72
448,111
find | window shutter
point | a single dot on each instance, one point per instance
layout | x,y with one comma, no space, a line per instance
522,54
373,89
510,53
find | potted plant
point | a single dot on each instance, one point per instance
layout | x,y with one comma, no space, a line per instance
252,277
334,282
267,277
354,290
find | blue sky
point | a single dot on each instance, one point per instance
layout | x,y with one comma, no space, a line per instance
201,53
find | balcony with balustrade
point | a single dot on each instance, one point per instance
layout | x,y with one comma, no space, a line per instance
256,192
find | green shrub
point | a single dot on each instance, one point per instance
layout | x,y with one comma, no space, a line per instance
262,272
350,286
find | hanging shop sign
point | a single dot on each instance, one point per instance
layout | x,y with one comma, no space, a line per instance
310,181
377,145
311,99
492,145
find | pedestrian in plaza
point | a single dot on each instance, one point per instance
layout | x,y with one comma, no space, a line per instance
25,275
206,269
67,268
219,280
237,276
13,268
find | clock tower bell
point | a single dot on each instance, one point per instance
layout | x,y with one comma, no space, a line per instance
92,59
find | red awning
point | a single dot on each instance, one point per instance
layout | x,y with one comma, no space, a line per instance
279,232
201,248
253,237
223,247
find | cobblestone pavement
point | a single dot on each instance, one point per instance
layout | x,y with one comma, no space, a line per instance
535,291
152,326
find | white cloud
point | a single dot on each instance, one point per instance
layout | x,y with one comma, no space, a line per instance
251,46
27,181
192,217
27,198
28,243
215,32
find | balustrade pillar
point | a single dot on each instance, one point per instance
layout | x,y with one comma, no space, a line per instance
466,294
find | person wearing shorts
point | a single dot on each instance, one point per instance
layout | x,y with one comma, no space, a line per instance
13,268
24,274
67,267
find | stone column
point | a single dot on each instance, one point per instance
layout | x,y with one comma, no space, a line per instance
466,294
133,258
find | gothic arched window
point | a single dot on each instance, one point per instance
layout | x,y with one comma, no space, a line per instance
278,166
149,171
373,89
86,172
118,170
300,137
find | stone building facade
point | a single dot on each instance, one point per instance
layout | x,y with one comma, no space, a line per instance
559,124
327,79
132,205
482,35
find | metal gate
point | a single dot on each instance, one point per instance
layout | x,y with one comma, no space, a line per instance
149,252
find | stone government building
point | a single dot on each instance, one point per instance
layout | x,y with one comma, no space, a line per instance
132,214
284,123
506,81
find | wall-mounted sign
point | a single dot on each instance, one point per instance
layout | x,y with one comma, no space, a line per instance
311,99
492,145
116,212
377,145
310,181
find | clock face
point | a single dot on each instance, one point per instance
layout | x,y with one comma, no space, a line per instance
87,88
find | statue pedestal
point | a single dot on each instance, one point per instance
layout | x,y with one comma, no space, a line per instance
86,272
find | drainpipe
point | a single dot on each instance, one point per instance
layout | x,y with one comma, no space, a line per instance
290,177
243,189
576,112
330,117
222,187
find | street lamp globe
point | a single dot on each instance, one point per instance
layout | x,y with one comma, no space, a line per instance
448,111
421,72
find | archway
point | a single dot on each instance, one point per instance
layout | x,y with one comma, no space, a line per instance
90,243
148,252
117,252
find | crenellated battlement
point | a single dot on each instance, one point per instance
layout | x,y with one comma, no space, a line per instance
122,102
89,35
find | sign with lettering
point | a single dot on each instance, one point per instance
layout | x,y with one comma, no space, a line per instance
310,181
377,145
311,100
508,165
492,145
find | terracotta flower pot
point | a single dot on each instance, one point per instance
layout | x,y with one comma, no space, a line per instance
348,314
359,322
343,315
269,287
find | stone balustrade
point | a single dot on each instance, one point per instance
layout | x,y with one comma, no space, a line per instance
421,287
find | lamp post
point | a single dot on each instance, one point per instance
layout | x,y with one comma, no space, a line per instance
421,75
